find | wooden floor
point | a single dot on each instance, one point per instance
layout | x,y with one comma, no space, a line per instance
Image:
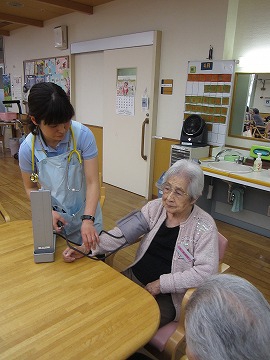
248,254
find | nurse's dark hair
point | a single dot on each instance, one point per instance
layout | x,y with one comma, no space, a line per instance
49,102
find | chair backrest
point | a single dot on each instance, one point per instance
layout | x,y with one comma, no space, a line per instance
222,246
259,131
170,337
102,191
267,129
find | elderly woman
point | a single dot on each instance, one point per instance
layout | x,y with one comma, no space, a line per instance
179,248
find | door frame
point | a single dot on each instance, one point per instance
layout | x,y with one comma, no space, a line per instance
153,110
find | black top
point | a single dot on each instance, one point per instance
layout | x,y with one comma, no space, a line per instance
158,258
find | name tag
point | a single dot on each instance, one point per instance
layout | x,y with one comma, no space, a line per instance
184,253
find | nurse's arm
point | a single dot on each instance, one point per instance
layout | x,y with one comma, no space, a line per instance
88,231
92,185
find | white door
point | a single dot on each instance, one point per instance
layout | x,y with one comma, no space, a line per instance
127,140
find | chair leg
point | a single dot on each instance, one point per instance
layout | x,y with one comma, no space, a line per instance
2,139
4,213
2,146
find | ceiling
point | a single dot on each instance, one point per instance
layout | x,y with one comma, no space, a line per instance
15,14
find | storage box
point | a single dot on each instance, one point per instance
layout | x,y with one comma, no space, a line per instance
8,116
188,152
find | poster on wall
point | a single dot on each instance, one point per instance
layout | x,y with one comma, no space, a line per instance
7,88
125,92
29,68
208,93
39,67
54,70
61,64
49,66
17,88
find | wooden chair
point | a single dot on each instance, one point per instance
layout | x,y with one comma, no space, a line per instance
102,191
259,132
267,130
170,338
4,214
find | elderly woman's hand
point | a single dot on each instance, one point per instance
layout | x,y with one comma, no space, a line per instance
70,255
153,287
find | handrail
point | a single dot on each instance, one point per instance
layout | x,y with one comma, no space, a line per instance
146,121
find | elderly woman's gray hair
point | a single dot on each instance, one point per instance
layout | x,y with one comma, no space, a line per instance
228,318
191,171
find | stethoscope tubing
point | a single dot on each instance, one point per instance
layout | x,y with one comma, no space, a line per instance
88,255
34,175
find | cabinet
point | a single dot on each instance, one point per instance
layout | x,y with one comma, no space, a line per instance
253,217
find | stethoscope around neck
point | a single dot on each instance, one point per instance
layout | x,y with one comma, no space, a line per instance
34,175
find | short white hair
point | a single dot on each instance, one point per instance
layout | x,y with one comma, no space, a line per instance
191,171
228,318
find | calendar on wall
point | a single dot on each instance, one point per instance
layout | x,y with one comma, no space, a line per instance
208,93
125,92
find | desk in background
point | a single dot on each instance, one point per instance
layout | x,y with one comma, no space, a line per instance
80,310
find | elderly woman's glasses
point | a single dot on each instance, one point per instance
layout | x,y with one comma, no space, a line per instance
168,189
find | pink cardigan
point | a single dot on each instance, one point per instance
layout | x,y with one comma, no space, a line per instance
199,235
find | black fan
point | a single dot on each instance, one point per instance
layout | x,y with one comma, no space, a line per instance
194,131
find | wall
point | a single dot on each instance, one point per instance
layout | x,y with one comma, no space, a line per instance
188,29
98,133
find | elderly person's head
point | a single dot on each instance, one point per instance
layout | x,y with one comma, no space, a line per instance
227,318
256,111
188,172
181,186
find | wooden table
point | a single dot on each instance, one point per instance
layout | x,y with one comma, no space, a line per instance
80,310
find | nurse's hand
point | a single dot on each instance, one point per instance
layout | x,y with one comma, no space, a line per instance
89,235
57,219
70,255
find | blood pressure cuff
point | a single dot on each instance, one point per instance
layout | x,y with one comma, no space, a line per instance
133,226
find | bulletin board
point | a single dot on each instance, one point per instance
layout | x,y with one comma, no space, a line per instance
209,93
54,69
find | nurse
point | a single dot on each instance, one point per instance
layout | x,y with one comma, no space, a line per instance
60,155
